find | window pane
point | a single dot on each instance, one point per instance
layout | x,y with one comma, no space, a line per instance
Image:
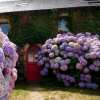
63,25
5,28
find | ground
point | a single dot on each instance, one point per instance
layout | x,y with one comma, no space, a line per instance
48,90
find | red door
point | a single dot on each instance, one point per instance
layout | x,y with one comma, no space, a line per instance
32,69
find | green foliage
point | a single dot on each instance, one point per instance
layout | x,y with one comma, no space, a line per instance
91,21
37,30
92,25
43,25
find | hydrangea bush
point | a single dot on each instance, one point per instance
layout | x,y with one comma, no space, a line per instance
72,58
8,72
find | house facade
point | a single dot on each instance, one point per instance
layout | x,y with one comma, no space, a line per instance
48,17
34,21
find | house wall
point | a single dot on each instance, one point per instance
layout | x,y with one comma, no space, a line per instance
83,19
33,27
86,19
37,26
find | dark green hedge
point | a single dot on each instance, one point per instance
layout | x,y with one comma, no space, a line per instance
88,19
43,25
37,30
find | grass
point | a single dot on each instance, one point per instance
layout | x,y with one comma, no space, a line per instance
52,90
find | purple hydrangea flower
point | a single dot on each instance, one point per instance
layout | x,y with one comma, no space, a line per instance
79,66
82,61
86,70
88,78
56,65
82,85
2,57
8,50
91,85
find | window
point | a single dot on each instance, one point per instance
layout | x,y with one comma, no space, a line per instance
5,25
63,23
